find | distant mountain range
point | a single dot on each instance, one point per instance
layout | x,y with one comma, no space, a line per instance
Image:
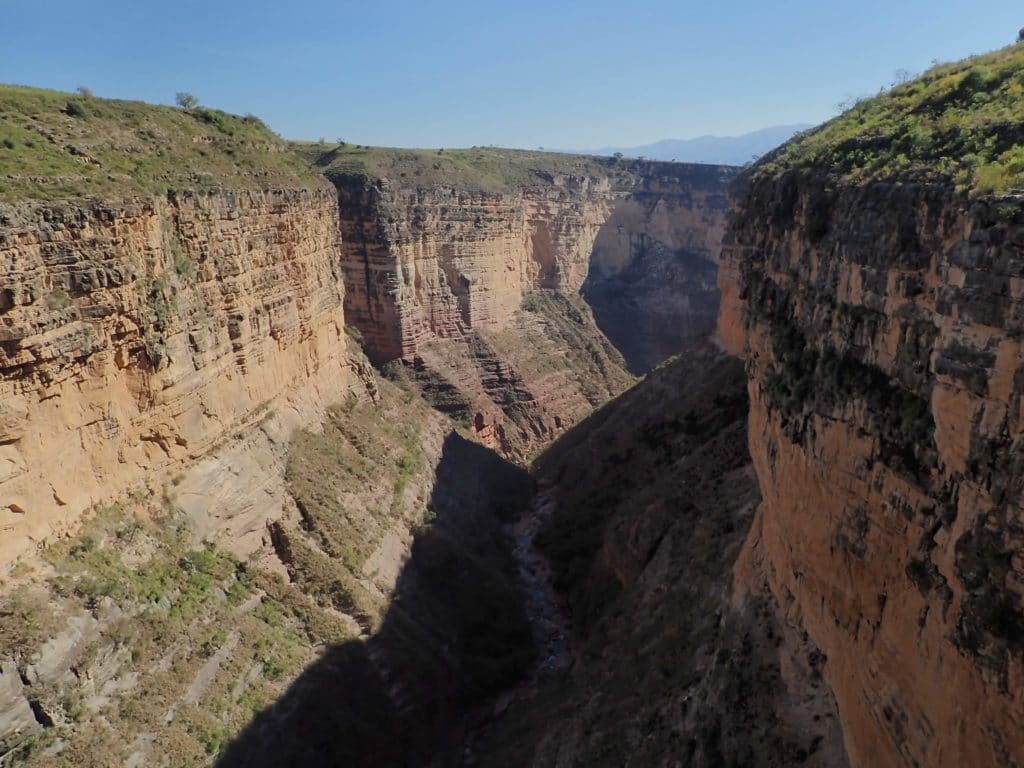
724,150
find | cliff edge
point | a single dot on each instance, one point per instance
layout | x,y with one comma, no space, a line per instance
170,283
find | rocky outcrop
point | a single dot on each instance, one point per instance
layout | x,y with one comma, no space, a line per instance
652,280
516,389
882,324
137,337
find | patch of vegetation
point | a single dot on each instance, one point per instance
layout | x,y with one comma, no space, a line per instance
487,169
434,387
363,475
961,122
183,265
165,605
805,380
57,145
355,334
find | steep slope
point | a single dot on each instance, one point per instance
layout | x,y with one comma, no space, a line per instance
517,388
136,643
171,313
874,285
140,332
650,500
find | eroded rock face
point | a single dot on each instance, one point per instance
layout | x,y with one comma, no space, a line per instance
136,337
437,262
882,330
653,273
478,292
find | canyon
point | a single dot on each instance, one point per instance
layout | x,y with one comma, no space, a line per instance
494,457
193,436
449,264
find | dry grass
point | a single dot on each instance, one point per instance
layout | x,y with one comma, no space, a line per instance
57,145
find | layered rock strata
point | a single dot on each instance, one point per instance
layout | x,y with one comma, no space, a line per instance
882,325
436,263
136,337
426,262
652,279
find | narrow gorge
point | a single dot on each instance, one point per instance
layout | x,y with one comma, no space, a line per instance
194,439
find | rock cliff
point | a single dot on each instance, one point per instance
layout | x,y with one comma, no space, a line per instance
652,281
451,258
428,263
170,308
880,313
438,258
136,337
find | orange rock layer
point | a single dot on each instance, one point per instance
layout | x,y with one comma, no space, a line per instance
882,330
136,337
435,262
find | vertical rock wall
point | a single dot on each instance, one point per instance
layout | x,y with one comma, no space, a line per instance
882,330
652,280
137,337
436,262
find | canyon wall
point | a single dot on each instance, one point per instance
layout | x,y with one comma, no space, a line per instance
471,275
652,280
881,324
426,262
142,336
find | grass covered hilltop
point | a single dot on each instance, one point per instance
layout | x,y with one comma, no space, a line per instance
57,145
962,122
488,169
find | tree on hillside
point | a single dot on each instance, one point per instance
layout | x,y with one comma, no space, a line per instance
186,100
1020,36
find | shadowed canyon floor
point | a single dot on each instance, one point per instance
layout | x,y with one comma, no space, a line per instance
652,498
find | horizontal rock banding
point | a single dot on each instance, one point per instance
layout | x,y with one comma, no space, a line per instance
136,336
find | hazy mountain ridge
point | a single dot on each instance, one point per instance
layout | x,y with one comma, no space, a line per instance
718,150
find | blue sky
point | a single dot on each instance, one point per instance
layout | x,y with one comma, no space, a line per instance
556,74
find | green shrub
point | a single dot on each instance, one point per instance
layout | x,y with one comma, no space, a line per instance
183,265
75,109
186,100
957,123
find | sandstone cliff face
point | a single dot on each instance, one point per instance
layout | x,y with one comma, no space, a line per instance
137,337
437,262
882,330
652,280
497,274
